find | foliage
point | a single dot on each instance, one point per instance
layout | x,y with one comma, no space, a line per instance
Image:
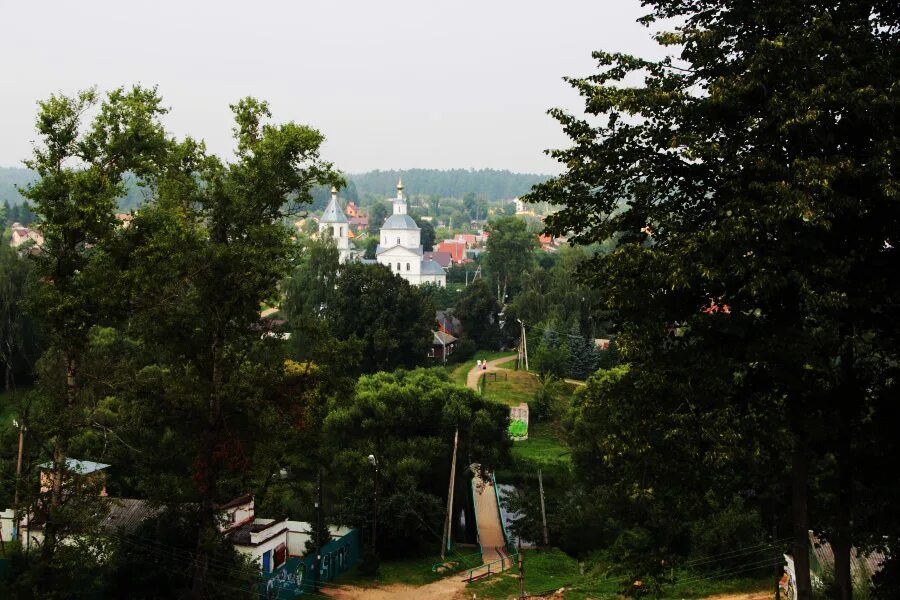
426,233
547,404
378,212
406,420
551,357
455,183
745,184
442,297
510,252
19,343
391,318
477,310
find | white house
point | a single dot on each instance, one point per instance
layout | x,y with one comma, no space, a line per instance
270,542
400,247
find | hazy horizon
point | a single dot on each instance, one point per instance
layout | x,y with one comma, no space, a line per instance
408,85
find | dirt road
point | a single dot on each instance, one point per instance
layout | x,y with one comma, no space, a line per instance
446,589
475,373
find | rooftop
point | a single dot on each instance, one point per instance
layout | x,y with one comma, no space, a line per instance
82,467
398,221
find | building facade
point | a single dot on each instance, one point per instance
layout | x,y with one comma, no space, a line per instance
400,247
335,225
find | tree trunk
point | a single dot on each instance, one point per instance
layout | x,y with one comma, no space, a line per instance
206,476
848,397
799,493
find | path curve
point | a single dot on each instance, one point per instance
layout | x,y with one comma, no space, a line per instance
447,588
475,372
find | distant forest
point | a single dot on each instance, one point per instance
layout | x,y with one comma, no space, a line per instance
488,184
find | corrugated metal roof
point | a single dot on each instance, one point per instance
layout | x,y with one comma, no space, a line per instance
127,513
82,467
443,337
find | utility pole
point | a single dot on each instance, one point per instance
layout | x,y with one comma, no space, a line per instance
374,462
543,511
521,572
18,479
318,532
524,342
448,527
777,561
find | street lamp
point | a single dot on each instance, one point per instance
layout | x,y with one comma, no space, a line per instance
374,462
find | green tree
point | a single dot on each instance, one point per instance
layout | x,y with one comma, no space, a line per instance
551,356
510,253
584,358
427,233
19,347
81,171
478,311
378,212
391,319
200,260
747,188
406,420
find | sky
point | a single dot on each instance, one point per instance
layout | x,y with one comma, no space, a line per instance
393,84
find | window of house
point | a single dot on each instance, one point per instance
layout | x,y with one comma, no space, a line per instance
398,266
398,241
407,266
341,232
280,556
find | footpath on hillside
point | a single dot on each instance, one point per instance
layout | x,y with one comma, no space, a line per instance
492,365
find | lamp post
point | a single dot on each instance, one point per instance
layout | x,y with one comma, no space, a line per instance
374,462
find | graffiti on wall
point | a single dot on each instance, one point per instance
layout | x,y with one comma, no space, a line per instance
295,577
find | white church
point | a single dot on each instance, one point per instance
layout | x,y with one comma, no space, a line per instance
399,243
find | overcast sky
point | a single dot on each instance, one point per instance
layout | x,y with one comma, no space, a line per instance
392,84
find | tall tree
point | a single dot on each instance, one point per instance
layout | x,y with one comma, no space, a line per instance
477,310
81,170
201,259
391,318
748,186
18,347
510,252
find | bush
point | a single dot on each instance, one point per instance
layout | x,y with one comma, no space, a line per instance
547,403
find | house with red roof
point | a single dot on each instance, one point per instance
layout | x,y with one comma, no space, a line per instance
455,248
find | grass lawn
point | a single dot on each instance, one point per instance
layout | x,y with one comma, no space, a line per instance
411,571
511,387
542,448
547,570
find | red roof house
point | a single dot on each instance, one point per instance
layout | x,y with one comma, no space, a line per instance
455,248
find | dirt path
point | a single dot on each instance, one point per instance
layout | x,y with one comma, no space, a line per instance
748,596
475,373
446,589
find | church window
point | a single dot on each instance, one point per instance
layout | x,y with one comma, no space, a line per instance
407,266
398,241
341,232
398,266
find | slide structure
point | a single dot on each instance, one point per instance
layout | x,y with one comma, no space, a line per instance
492,536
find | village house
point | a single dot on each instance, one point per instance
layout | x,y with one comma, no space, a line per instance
442,346
455,248
22,235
